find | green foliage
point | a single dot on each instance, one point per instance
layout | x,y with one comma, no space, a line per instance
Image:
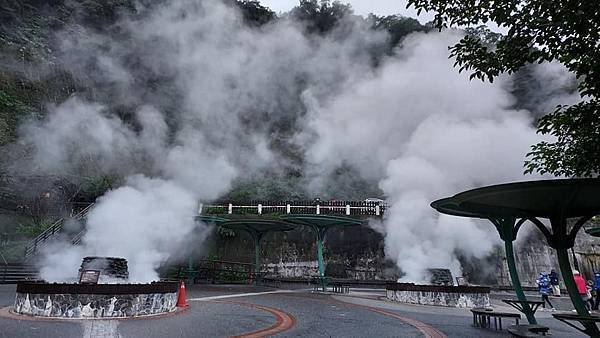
320,16
398,26
95,186
562,30
11,109
575,151
267,188
33,228
12,251
254,13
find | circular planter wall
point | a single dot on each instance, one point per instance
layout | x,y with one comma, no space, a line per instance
451,296
95,300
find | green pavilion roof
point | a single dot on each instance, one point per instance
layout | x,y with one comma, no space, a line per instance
544,198
320,220
257,225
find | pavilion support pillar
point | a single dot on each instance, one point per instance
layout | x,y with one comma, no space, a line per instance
320,261
257,237
190,269
507,229
562,240
567,274
516,282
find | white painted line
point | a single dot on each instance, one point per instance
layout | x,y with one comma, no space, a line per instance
241,295
101,329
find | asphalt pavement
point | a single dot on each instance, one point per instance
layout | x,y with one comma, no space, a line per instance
245,311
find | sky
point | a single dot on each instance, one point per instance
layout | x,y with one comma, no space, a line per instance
362,7
379,7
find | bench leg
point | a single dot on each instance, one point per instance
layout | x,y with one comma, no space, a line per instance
500,321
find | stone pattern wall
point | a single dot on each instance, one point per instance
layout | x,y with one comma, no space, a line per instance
292,269
460,300
94,305
360,251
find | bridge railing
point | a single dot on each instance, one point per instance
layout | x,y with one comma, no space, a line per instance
348,208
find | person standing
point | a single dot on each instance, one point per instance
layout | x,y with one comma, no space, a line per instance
543,283
581,288
554,283
597,288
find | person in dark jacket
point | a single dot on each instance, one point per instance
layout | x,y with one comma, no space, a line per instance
543,283
554,283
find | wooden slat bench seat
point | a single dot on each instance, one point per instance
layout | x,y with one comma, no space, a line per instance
482,317
527,330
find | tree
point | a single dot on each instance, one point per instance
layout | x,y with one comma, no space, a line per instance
561,30
320,16
398,26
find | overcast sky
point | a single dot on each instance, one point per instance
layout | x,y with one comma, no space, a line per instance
379,7
363,7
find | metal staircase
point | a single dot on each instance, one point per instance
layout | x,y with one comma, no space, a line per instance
44,238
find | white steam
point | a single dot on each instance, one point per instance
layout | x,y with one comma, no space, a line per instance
413,124
225,86
425,131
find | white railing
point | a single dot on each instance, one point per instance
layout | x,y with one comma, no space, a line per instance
348,208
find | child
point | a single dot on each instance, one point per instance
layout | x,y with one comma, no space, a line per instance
543,283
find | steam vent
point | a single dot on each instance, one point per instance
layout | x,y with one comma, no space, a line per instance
102,292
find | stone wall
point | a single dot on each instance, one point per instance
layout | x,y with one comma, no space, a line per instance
94,305
449,299
533,256
357,253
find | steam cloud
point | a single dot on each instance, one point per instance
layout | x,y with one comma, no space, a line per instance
426,132
413,124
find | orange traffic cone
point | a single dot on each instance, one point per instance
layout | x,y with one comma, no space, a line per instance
181,301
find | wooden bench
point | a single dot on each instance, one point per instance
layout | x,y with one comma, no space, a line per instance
527,330
482,317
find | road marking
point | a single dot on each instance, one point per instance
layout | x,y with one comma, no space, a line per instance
240,295
100,329
427,330
285,321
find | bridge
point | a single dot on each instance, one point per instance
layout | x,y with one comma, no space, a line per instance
316,207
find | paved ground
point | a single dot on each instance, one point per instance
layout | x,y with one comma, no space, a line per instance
243,311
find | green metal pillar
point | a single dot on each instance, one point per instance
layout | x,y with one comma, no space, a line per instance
320,261
257,264
514,277
567,274
562,242
190,270
507,229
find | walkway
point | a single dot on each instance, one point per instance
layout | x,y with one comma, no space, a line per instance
244,311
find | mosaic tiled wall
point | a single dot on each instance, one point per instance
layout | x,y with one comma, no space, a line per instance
94,305
461,300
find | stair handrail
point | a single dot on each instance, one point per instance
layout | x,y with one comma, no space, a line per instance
53,229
